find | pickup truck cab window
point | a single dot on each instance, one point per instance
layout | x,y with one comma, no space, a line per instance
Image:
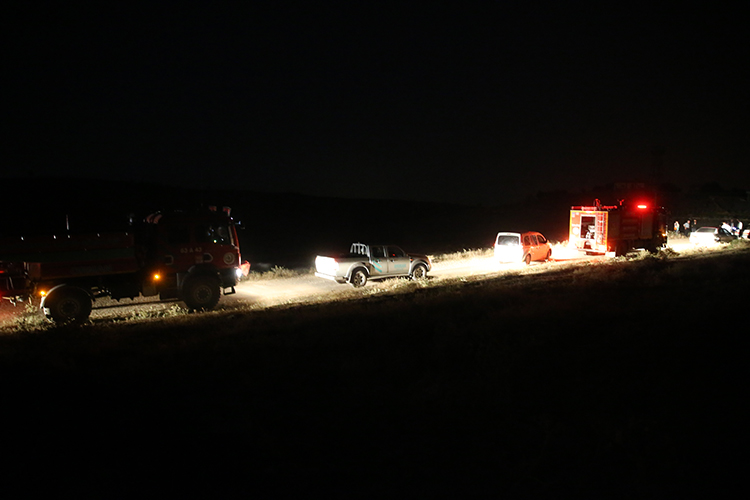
395,252
377,252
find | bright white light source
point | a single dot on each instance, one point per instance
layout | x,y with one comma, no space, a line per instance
326,265
508,253
565,251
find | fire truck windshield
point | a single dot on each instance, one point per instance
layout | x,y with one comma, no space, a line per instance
218,234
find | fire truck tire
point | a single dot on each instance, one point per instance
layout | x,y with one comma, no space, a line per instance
359,278
67,304
419,272
527,259
201,293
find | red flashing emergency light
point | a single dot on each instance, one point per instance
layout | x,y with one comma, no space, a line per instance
642,206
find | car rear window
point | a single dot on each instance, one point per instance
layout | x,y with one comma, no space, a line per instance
508,240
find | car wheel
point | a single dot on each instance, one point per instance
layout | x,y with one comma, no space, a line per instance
359,278
420,272
201,293
527,259
68,305
549,255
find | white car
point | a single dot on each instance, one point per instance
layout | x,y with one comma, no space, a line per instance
710,236
521,247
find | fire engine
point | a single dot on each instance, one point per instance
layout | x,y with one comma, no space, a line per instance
619,228
190,256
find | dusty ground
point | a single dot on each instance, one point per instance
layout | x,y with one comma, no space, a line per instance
258,294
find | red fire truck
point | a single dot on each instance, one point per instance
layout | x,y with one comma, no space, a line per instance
191,256
599,229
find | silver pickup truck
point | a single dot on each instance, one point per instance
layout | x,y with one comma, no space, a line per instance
371,262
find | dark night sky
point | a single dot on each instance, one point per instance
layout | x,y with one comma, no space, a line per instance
463,103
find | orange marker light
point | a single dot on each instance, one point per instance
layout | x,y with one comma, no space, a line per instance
157,277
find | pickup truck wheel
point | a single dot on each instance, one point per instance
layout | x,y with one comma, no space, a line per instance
419,272
359,278
201,293
68,305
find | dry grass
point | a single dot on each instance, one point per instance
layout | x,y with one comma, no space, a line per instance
277,272
462,256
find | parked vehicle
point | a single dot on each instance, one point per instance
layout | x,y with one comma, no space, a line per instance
710,236
599,229
188,256
522,247
371,262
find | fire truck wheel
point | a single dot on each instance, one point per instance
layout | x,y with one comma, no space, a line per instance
201,293
68,305
359,278
420,272
527,259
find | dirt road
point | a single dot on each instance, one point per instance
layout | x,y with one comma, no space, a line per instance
273,292
268,293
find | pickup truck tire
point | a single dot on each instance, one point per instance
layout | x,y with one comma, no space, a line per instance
68,304
419,272
201,293
359,278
